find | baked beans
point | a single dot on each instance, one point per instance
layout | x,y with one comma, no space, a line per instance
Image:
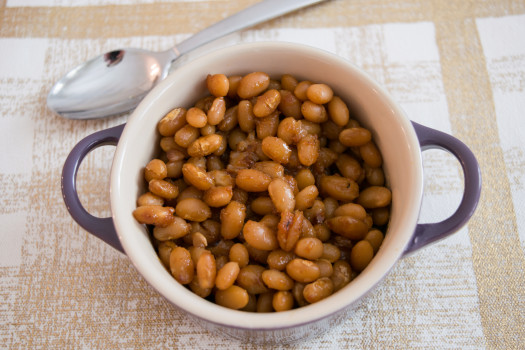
266,195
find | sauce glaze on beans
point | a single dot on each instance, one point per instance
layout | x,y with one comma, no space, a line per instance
267,195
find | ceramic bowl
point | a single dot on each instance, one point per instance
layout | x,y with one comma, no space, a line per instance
400,141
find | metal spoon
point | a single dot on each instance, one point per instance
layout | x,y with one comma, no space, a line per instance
117,81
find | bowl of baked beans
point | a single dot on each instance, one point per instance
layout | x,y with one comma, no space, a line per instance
265,188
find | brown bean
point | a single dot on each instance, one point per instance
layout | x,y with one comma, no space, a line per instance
262,205
375,238
257,255
154,215
233,297
380,216
355,137
277,280
197,289
311,127
205,103
282,195
342,274
318,290
172,121
331,252
199,240
276,149
212,230
218,196
259,236
340,188
282,301
193,209
206,270
235,138
149,198
227,275
338,111
322,232
214,163
325,267
205,145
290,105
164,249
375,197
168,143
181,265
288,82
253,84
208,129
196,117
177,229
232,219
361,255
348,226
304,178
199,162
290,131
278,259
233,81
308,150
221,177
271,168
239,254
230,120
374,176
245,116
303,271
174,169
307,230
316,214
309,248
330,206
163,188
351,209
314,112
267,103
252,180
301,88
156,169
319,93
217,84
349,167
186,135
217,110
190,192
264,302
250,278
196,176
267,126
306,198
371,155
297,292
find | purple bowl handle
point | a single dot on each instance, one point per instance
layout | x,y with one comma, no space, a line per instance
100,227
429,233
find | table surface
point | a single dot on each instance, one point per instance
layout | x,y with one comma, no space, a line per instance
457,66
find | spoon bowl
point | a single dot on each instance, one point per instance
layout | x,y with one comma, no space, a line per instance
112,83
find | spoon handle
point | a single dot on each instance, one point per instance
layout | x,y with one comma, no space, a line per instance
258,13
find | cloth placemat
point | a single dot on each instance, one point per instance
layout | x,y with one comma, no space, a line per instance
456,66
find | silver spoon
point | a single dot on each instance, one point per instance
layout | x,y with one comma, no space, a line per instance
117,81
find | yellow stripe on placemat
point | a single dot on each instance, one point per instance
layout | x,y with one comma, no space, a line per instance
493,230
165,18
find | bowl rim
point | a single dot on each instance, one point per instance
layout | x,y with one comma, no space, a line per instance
206,310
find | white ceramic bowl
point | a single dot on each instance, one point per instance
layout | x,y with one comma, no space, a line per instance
393,132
